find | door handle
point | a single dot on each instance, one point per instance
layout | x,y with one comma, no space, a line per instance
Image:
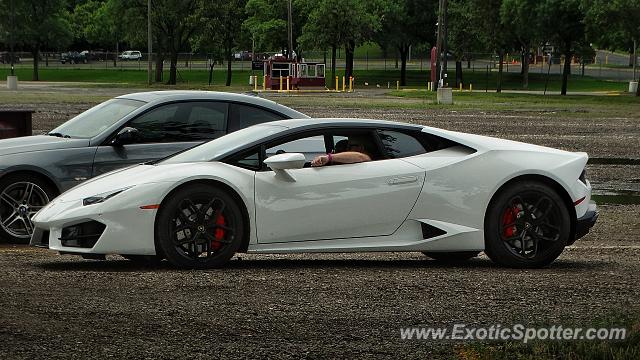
403,180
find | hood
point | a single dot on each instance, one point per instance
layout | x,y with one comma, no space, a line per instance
120,179
38,143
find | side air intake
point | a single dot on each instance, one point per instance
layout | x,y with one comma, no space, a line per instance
429,231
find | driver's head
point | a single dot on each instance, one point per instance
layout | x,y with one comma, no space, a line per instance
358,143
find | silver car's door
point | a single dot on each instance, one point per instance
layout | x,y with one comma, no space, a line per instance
164,131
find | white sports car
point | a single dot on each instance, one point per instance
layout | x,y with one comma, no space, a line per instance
449,195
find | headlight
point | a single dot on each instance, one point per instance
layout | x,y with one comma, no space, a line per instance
100,198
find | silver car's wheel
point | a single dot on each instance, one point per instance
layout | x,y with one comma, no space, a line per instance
20,200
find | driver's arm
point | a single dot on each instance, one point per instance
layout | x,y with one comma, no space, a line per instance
347,157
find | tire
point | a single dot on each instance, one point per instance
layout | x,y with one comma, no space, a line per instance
199,227
527,226
21,196
452,257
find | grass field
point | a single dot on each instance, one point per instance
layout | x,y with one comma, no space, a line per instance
383,78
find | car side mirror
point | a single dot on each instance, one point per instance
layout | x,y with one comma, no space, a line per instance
125,136
286,161
282,162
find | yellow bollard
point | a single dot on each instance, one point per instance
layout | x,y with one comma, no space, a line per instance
460,87
288,83
397,84
280,83
255,83
344,84
264,83
429,86
470,87
350,83
337,86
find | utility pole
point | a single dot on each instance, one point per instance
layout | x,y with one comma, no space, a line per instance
290,31
436,85
149,44
12,30
441,43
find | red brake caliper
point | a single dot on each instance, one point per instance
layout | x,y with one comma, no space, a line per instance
509,218
218,234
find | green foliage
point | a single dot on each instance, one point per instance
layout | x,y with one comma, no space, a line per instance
613,24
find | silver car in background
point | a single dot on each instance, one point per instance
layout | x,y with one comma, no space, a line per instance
123,131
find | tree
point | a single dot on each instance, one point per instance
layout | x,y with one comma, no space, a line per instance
40,24
492,31
620,19
405,23
522,19
222,23
462,39
563,25
267,22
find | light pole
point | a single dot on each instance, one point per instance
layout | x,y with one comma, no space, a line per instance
290,30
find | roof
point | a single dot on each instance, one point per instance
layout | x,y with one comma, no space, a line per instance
342,122
178,95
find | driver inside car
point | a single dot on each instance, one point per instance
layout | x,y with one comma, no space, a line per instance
355,152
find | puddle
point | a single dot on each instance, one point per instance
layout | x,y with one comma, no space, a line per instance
616,197
613,161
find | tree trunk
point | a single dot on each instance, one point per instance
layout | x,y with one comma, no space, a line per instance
349,48
404,50
459,73
334,50
229,58
115,57
500,65
36,61
159,67
566,71
173,68
525,68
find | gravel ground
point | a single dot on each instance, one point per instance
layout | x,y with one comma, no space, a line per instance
326,305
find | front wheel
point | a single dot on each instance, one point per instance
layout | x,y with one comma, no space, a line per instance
200,226
527,226
21,197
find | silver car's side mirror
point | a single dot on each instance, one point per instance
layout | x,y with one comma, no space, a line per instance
125,136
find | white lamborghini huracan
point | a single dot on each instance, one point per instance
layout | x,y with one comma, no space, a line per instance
449,195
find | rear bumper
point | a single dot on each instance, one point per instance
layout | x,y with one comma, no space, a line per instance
586,222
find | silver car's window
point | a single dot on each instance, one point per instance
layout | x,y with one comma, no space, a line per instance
97,119
225,144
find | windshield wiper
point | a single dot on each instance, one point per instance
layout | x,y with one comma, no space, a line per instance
58,135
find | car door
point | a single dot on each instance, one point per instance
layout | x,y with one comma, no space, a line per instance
339,201
163,131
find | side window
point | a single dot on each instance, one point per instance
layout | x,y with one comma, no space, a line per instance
188,121
243,116
397,144
248,159
311,147
207,120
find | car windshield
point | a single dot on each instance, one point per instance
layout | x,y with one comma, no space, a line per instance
222,145
97,119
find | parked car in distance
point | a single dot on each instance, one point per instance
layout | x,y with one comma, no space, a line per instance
73,57
120,132
131,55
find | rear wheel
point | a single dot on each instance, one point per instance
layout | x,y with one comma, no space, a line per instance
458,256
200,226
21,197
527,226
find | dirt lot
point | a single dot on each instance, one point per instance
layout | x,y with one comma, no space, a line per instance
330,305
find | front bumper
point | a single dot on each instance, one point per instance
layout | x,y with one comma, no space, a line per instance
586,221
